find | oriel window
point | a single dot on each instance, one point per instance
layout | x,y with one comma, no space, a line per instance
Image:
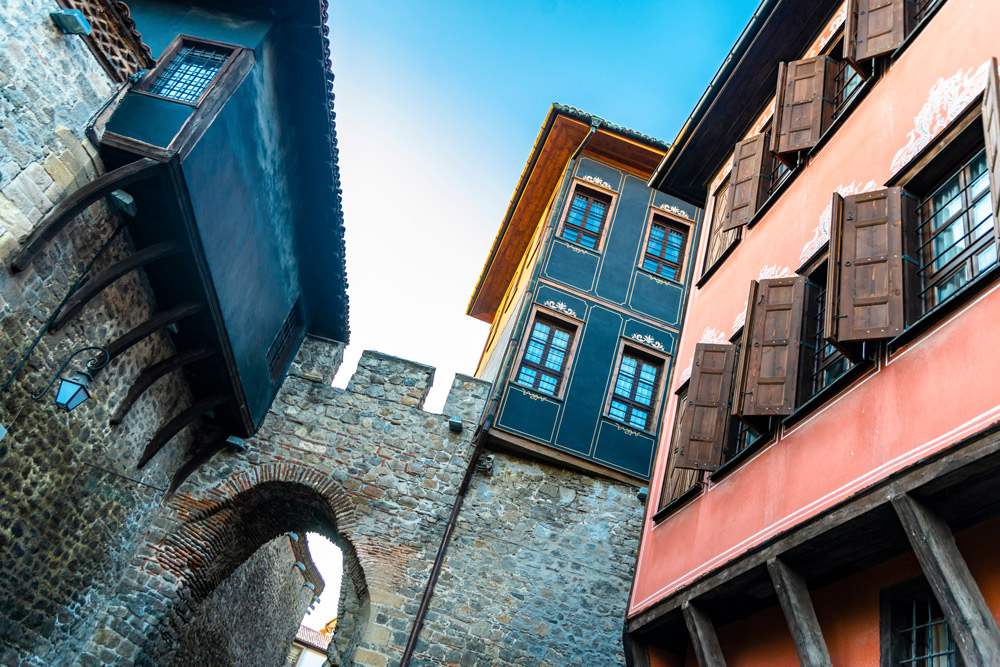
665,249
588,211
190,72
634,397
543,364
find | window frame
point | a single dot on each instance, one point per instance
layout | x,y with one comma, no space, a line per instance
670,221
665,504
721,194
573,324
612,195
656,405
171,52
891,599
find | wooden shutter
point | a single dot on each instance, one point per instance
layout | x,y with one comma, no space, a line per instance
870,234
703,429
991,130
741,363
877,27
806,103
773,341
831,313
751,165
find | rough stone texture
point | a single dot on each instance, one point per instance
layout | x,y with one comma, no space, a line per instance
69,522
537,574
252,617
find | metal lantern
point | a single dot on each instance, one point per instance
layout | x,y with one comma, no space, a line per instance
73,390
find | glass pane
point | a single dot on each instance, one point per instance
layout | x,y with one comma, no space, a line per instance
547,384
527,376
649,264
986,258
638,418
617,411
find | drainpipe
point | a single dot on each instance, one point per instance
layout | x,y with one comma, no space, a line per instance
492,402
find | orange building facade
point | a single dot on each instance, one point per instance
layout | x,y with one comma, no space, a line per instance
824,490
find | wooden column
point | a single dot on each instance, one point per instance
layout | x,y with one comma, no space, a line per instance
799,613
702,632
969,619
636,651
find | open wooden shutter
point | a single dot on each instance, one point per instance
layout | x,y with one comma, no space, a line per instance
831,313
991,130
740,393
876,27
772,343
804,107
703,429
868,274
751,165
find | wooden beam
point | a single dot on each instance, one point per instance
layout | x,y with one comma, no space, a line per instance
636,651
95,285
201,456
969,618
799,613
155,323
150,375
703,637
174,426
80,199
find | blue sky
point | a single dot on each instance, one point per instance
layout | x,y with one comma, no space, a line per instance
438,105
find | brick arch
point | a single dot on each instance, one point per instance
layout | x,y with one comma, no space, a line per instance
207,533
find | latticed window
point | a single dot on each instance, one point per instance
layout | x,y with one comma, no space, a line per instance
544,362
665,249
634,398
919,635
719,241
585,219
956,232
189,72
823,363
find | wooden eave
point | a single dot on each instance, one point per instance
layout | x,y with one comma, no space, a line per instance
559,138
780,31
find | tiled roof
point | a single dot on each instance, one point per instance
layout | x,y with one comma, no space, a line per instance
617,129
312,638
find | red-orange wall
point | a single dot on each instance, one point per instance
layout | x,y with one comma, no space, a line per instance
940,388
848,612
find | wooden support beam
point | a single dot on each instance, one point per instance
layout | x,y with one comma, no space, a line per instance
636,651
150,375
174,426
80,199
799,613
95,285
201,456
969,618
155,323
703,637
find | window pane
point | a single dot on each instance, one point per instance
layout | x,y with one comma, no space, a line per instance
190,72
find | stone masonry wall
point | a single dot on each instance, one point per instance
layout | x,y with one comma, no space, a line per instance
537,573
252,617
68,522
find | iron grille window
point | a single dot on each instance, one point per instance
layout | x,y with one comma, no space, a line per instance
822,362
281,347
919,635
634,398
664,249
956,232
544,361
924,8
779,172
189,73
847,81
585,219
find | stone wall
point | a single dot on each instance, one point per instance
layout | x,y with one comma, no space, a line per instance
70,518
251,618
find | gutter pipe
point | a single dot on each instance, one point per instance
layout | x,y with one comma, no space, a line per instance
492,403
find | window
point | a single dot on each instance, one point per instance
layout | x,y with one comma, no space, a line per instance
544,361
677,481
636,385
914,630
956,231
719,240
665,246
584,223
822,363
847,80
188,70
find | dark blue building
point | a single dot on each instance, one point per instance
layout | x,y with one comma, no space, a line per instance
584,288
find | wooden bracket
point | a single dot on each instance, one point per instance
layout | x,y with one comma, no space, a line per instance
799,613
703,637
969,618
201,456
154,373
155,323
174,426
83,197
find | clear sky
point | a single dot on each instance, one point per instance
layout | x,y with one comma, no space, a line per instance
438,106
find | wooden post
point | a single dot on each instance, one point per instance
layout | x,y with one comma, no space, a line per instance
969,619
703,637
799,613
636,651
